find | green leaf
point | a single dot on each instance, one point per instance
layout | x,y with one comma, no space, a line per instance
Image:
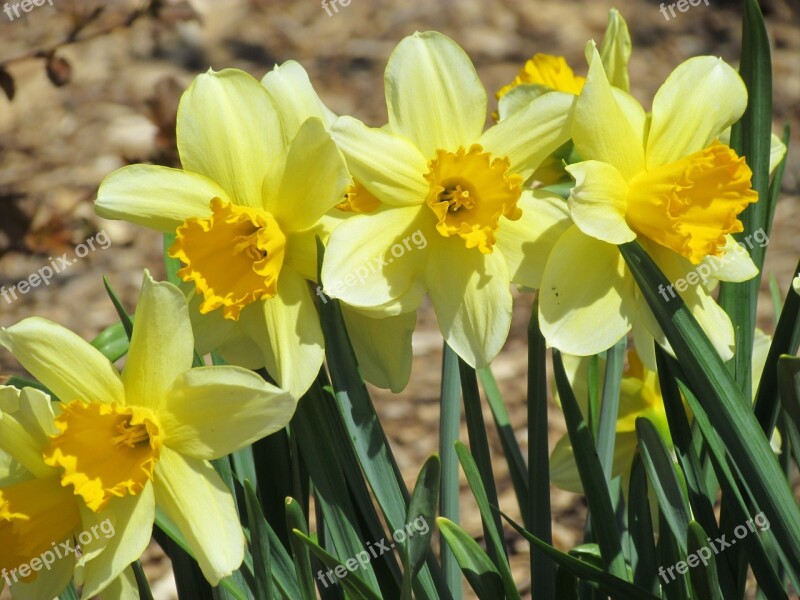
356,587
604,523
479,443
617,588
609,408
70,593
474,562
517,468
640,526
566,585
722,399
664,480
751,138
321,450
494,534
124,317
296,521
537,513
423,505
674,584
703,574
112,342
259,544
449,427
141,581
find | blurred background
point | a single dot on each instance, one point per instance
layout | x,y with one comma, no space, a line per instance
91,86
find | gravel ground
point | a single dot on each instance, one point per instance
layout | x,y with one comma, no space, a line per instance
57,143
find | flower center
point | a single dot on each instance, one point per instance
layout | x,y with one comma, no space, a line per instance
357,199
692,204
469,192
234,256
33,515
105,450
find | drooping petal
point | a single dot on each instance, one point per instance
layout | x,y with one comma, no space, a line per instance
214,411
599,201
21,446
433,93
156,197
123,587
291,89
315,179
126,526
162,345
301,246
582,298
471,296
388,165
67,365
526,243
528,136
193,496
228,130
701,98
286,329
382,346
734,264
616,138
374,259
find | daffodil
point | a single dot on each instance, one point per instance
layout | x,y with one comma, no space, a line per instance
440,178
663,180
639,396
126,443
796,284
245,208
382,344
37,515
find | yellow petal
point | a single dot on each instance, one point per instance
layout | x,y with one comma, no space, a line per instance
301,246
214,411
314,180
471,296
193,496
228,130
162,346
618,137
702,97
382,346
49,583
599,201
156,197
528,136
777,150
388,165
287,330
615,50
123,587
734,264
22,447
64,363
563,469
290,88
366,269
125,528
451,110
584,290
526,243
518,98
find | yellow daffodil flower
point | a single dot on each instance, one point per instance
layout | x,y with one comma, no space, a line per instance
664,180
126,443
640,396
382,344
448,193
37,514
246,208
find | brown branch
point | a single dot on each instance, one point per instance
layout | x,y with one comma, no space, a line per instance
73,37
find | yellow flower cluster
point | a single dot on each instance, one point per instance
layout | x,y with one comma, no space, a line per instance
432,204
